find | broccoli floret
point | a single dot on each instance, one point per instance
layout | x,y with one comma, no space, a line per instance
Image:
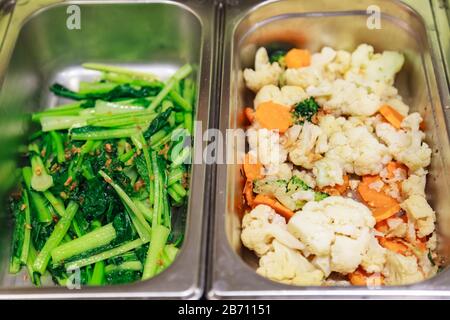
278,56
305,110
320,195
296,184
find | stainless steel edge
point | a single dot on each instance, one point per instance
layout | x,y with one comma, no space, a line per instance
229,276
184,279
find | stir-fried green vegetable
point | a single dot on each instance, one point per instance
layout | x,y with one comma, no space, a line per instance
101,178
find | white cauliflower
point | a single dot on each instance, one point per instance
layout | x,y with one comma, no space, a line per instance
337,229
302,152
406,145
427,268
396,228
400,270
344,97
415,184
375,257
261,226
265,146
328,172
286,96
420,213
351,146
265,72
288,266
379,67
347,253
326,65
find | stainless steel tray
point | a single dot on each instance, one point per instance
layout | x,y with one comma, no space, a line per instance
155,35
342,25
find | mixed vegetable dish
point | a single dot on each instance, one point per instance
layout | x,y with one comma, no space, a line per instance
336,171
104,180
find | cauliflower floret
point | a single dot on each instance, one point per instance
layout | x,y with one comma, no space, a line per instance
261,226
346,98
335,228
406,145
288,266
313,229
265,146
353,147
347,253
265,72
415,184
420,213
302,77
301,153
340,65
397,227
427,268
281,171
323,263
286,96
375,257
328,172
401,269
380,67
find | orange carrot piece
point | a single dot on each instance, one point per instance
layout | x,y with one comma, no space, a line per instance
248,192
360,277
391,115
273,116
252,170
394,165
393,245
383,213
382,226
249,114
274,204
338,189
297,58
373,197
421,243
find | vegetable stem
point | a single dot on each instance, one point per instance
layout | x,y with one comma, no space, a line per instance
94,239
159,238
40,264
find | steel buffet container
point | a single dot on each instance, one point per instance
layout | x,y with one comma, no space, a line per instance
341,25
40,47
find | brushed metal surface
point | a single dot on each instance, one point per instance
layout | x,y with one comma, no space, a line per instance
341,25
158,36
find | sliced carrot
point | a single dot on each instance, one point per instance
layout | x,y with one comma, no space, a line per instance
338,189
382,226
383,213
373,197
421,243
394,165
297,58
359,277
273,116
422,125
249,114
382,205
391,115
274,204
252,169
248,192
393,245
